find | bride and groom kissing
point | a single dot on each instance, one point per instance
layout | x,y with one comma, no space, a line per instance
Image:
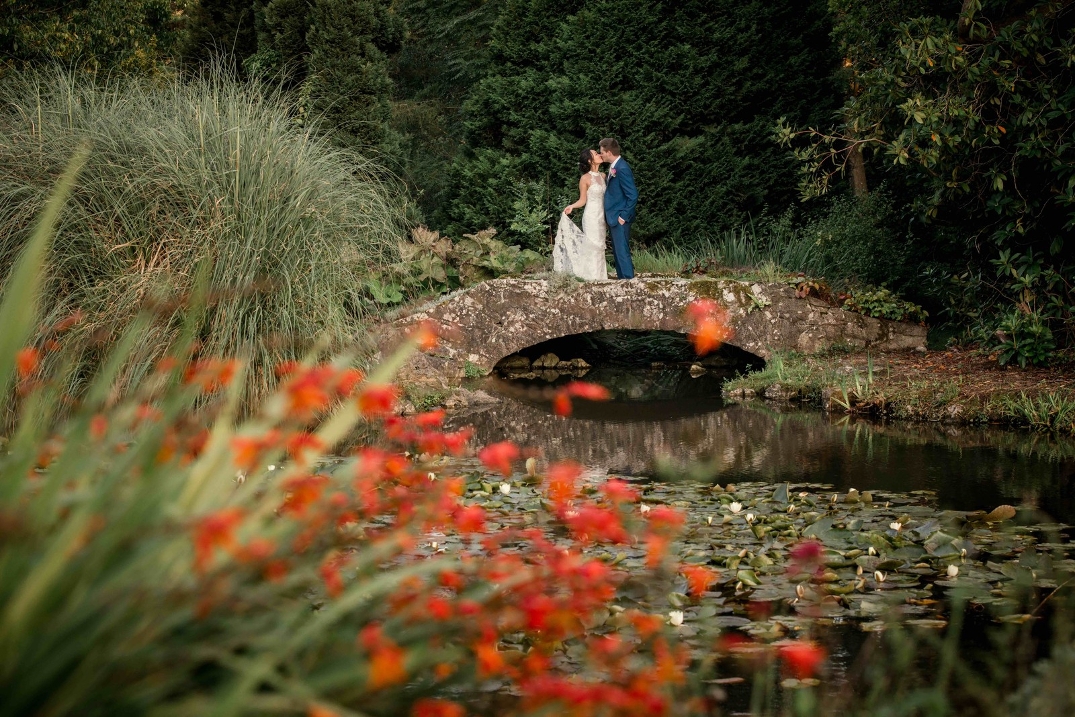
610,204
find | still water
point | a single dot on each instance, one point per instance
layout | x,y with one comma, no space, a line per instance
664,421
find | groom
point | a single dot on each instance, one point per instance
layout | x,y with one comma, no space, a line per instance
621,196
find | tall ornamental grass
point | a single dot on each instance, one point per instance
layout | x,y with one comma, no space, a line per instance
186,172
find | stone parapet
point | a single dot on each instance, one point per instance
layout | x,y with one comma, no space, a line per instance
494,319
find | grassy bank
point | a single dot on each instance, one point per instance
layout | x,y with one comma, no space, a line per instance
184,173
956,387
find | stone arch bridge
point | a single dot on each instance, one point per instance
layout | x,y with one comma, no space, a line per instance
486,322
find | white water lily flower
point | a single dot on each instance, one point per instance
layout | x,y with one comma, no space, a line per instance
505,488
272,467
531,466
240,477
871,551
675,618
735,507
750,517
833,498
858,571
433,545
643,508
879,576
431,475
800,590
896,525
953,571
709,520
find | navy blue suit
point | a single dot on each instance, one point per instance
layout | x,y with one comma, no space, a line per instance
621,197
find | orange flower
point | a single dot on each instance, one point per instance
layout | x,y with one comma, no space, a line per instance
699,578
802,657
319,711
300,444
436,708
562,479
710,325
26,361
490,661
216,530
425,335
499,456
307,393
211,374
98,427
386,666
330,573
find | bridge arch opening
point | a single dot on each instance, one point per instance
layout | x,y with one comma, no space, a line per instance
657,372
624,348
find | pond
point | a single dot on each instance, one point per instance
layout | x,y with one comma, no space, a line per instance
800,473
662,422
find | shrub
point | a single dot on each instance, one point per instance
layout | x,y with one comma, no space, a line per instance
183,172
882,304
430,263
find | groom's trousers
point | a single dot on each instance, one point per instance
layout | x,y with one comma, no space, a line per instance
621,250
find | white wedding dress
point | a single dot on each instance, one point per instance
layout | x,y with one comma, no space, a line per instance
582,251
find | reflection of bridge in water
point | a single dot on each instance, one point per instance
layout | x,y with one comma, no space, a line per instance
969,468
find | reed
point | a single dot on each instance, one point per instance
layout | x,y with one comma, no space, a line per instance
183,172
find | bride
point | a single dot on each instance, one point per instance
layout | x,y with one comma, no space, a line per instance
582,251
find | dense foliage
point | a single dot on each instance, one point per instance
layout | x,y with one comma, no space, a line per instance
970,105
97,34
689,89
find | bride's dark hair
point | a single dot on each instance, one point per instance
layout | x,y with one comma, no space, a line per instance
584,160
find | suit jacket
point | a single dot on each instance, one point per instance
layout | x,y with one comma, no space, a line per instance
621,195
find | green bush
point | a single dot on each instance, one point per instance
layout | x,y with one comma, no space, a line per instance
186,171
882,304
855,242
432,264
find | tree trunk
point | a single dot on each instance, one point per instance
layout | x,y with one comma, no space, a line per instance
858,172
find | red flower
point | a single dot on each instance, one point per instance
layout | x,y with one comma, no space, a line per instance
618,491
377,400
561,404
430,419
805,557
802,657
26,361
664,518
589,391
470,520
428,707
499,456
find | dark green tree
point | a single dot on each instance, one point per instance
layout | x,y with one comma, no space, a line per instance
691,90
347,67
220,28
